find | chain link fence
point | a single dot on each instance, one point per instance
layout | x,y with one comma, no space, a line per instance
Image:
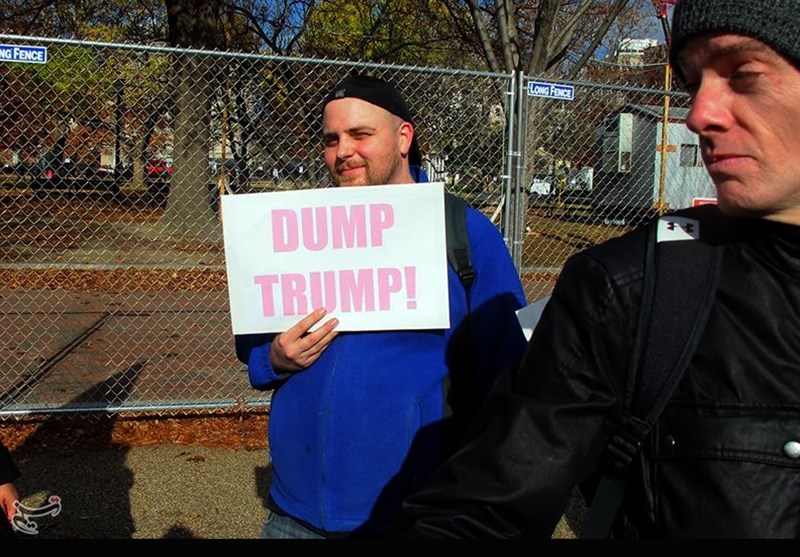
113,295
593,164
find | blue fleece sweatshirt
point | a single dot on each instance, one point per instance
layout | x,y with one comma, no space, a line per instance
360,429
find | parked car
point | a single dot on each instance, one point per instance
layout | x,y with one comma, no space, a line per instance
102,170
541,185
291,170
158,170
50,173
157,173
214,166
18,169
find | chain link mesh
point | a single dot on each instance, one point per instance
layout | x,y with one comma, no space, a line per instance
114,294
594,167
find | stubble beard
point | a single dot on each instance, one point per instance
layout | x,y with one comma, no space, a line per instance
369,176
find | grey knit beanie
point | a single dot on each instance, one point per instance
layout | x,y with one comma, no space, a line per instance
774,22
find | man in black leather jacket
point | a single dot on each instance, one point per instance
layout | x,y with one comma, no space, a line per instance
724,458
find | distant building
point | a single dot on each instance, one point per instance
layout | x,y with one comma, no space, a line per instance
631,51
630,177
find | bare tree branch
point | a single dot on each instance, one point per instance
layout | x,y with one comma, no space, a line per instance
545,24
598,36
483,36
506,25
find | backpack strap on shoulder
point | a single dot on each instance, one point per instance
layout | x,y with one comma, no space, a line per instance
459,383
680,279
458,251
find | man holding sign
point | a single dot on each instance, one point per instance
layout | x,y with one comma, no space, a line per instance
359,419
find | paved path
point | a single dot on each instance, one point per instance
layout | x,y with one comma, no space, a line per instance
154,492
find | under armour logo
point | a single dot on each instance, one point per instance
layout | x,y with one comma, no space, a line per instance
672,228
688,227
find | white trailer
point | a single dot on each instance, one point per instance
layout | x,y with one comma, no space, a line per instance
631,176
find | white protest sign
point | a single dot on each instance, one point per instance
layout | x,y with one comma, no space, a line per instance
373,256
529,316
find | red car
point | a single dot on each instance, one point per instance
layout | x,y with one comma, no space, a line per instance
158,169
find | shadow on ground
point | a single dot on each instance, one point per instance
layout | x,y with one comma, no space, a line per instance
78,483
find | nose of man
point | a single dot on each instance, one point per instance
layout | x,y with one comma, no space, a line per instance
710,110
344,148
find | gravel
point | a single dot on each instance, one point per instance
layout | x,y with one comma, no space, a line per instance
153,492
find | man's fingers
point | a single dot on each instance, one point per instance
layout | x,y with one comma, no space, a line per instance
297,348
323,331
321,339
312,345
304,325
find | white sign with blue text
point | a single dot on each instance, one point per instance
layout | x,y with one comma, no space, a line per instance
551,90
23,54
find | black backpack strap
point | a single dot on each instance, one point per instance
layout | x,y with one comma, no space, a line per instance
680,279
459,384
458,251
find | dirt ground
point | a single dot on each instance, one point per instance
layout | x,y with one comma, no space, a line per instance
213,430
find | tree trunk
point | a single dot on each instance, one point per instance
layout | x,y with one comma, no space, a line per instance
189,209
192,23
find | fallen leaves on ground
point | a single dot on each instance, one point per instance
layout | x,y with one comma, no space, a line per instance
233,431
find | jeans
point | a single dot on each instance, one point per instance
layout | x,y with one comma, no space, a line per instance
279,527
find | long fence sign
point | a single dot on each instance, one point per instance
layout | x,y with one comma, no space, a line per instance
23,54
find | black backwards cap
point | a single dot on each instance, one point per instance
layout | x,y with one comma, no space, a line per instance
380,93
774,22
